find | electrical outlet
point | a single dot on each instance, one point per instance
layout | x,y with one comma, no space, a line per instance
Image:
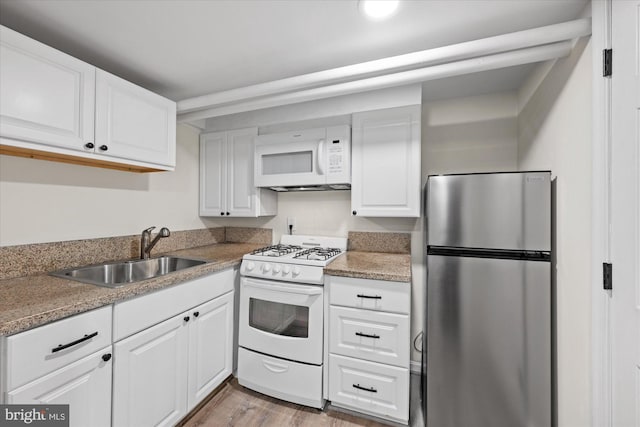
291,224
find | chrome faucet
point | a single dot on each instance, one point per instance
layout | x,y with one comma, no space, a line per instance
145,245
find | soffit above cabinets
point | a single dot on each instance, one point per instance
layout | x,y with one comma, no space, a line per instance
188,48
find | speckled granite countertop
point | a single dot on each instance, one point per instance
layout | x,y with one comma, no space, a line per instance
372,265
30,301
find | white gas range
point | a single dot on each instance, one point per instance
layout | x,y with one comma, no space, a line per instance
281,317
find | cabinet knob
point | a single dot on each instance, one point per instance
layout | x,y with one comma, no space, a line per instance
228,214
89,145
106,357
186,318
103,148
196,313
222,213
355,212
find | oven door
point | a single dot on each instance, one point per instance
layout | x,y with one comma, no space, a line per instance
281,319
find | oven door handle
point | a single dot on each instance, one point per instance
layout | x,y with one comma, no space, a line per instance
296,289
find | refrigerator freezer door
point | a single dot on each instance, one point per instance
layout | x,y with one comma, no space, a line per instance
488,342
492,211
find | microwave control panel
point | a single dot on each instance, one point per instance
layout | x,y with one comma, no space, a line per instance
338,153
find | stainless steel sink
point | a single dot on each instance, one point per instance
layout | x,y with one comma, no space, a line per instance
116,274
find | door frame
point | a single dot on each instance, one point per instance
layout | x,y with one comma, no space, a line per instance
601,150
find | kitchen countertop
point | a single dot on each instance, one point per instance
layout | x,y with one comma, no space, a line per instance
30,301
372,265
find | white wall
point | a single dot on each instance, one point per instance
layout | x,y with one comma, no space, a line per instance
554,133
42,201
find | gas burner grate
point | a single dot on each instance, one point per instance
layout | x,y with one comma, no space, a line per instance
276,250
318,253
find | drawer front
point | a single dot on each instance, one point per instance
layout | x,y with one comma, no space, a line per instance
139,313
368,294
365,334
369,387
39,351
291,381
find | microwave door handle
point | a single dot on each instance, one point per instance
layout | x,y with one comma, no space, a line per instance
321,157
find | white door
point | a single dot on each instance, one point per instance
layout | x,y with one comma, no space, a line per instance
385,171
210,347
84,385
48,97
149,376
281,319
625,219
213,174
241,193
133,123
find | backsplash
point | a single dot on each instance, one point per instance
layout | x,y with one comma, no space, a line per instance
32,259
396,243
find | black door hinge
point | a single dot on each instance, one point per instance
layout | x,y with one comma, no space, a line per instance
607,276
607,62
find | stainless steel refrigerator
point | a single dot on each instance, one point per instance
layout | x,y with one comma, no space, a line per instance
487,341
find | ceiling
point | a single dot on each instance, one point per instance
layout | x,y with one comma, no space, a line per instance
187,48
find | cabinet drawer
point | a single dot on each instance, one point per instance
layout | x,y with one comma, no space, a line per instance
369,387
370,294
39,351
139,313
375,336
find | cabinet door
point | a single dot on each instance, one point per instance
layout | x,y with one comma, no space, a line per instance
241,193
213,174
47,96
386,163
149,376
84,385
133,123
210,347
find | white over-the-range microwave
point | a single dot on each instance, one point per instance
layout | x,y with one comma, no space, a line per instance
312,159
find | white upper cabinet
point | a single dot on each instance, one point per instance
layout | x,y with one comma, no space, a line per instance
47,96
226,176
386,163
213,174
133,123
56,107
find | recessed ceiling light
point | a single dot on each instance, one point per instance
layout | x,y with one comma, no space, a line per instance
378,9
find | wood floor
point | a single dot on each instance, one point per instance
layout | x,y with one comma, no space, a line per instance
235,405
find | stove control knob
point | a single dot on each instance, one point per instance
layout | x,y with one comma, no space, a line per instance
276,268
250,265
286,270
296,271
266,268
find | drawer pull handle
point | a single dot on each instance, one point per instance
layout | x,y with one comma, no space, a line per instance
369,296
361,334
359,387
71,344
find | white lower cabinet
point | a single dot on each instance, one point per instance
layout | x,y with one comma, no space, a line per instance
64,362
84,385
164,371
369,346
149,376
210,347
